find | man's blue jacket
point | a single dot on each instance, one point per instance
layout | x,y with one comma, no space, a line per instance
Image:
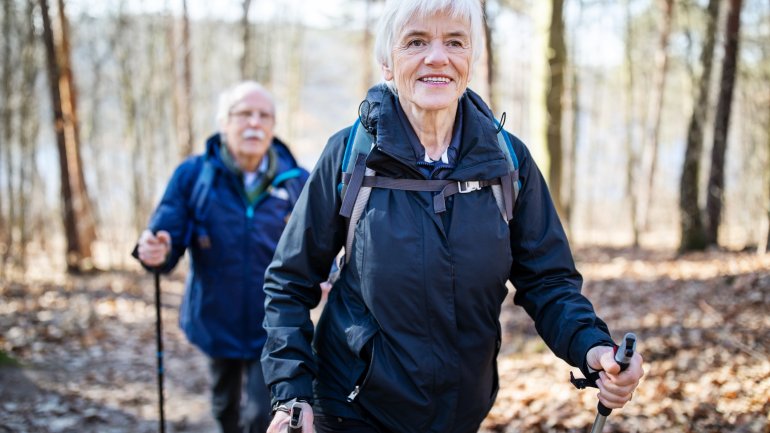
222,308
411,329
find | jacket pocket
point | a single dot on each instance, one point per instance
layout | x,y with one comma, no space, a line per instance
368,356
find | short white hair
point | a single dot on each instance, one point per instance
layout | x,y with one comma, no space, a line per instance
233,95
397,14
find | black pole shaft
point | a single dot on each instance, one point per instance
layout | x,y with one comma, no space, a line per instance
159,342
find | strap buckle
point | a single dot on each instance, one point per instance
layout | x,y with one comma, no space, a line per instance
468,186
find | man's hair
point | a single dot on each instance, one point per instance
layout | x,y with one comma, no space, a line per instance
397,14
232,95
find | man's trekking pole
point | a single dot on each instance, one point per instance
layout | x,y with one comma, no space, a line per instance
623,357
159,342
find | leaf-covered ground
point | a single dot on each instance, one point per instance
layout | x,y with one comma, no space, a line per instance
78,354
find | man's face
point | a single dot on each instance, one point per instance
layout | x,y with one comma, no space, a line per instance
431,62
249,129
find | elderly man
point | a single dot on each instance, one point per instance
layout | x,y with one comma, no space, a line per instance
229,207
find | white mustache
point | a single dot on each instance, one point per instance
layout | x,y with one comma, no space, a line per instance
253,133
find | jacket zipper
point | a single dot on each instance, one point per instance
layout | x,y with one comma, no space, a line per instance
353,394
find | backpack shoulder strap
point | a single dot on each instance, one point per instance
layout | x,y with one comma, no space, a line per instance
508,191
354,194
357,148
201,189
358,180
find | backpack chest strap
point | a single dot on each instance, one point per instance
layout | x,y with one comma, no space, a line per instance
444,187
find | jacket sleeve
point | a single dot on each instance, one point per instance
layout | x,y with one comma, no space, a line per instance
303,258
172,213
543,272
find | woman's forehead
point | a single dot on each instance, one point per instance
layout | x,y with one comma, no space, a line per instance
441,23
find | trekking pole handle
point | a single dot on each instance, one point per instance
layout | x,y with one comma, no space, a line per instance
623,357
295,418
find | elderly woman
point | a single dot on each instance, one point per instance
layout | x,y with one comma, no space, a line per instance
409,336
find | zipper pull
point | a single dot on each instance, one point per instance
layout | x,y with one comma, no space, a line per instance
353,394
249,212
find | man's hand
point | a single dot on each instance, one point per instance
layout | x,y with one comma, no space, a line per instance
280,423
615,387
154,248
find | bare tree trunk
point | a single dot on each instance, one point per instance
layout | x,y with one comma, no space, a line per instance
245,62
763,245
490,55
7,74
130,107
28,130
632,162
573,143
691,218
366,46
183,89
78,218
295,61
557,62
652,135
267,38
716,182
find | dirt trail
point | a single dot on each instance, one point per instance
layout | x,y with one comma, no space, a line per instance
87,351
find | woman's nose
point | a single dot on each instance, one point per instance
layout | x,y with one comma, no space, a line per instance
437,54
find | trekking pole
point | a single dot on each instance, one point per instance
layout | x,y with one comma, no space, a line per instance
159,343
295,420
623,358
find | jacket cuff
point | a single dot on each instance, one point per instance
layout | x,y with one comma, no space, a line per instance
300,388
584,341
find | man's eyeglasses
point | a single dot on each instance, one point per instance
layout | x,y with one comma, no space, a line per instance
243,116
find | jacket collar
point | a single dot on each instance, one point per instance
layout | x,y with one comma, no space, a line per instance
285,160
479,157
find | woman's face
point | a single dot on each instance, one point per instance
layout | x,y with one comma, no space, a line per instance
431,62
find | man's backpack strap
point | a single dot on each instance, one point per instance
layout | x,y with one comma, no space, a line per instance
201,189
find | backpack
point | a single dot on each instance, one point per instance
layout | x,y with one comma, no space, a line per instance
358,180
198,200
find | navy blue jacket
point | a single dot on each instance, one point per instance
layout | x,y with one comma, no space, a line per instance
222,308
413,320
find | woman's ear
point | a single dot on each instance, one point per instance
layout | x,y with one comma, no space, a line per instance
387,74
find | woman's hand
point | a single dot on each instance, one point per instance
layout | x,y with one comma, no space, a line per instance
615,387
280,423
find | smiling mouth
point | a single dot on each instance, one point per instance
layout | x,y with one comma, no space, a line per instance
435,80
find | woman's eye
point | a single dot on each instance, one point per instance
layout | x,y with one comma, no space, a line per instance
457,44
415,43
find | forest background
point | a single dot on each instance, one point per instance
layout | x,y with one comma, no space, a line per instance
649,118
